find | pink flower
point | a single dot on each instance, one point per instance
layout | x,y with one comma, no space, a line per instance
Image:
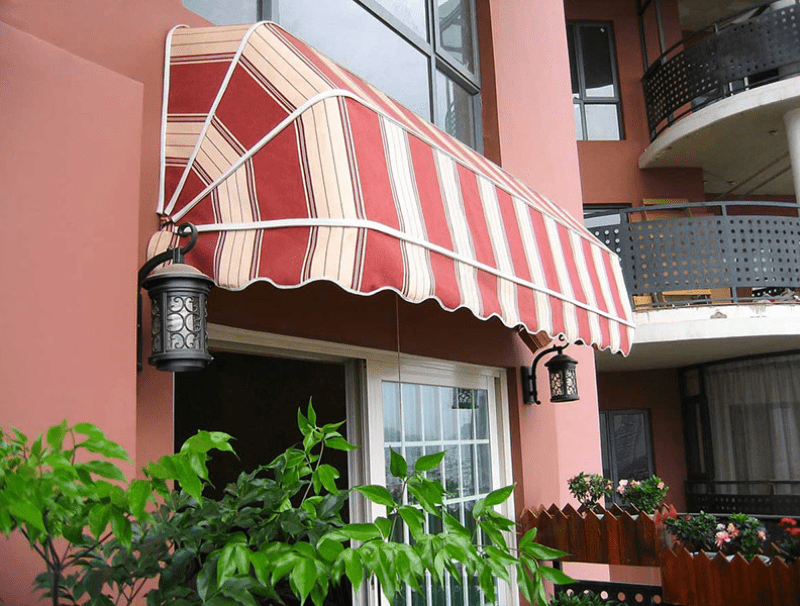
620,489
634,482
762,535
733,532
722,538
661,485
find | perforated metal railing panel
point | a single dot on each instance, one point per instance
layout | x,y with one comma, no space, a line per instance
707,252
742,50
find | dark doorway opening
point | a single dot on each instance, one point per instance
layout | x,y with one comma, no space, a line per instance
255,399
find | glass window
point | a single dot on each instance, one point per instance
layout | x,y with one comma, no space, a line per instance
626,444
364,45
595,89
454,108
403,47
456,34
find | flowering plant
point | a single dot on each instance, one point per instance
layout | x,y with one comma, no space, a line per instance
697,533
646,495
790,546
589,489
742,534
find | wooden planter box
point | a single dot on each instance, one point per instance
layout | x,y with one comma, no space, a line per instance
700,580
611,537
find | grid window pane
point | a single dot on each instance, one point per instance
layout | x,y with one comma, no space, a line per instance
410,12
602,122
455,31
454,111
598,72
433,419
364,45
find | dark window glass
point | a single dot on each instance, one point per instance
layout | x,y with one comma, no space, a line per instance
597,70
626,445
595,90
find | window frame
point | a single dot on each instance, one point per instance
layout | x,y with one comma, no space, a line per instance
582,100
365,369
608,445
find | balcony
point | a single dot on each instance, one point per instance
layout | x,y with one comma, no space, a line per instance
717,99
751,48
707,278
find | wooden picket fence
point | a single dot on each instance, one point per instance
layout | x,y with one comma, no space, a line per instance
612,537
618,537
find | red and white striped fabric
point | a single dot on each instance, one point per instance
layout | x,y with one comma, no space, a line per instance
295,170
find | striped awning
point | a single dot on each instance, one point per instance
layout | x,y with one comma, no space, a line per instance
295,170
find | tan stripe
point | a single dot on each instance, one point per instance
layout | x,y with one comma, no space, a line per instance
159,242
571,326
283,68
466,275
586,284
331,182
207,40
608,297
418,273
506,291
182,137
544,312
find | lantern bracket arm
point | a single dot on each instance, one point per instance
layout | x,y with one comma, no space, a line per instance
530,393
176,255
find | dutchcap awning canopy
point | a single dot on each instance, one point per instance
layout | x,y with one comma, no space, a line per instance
295,170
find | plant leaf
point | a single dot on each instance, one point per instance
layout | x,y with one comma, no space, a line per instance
303,577
397,465
377,494
498,496
430,461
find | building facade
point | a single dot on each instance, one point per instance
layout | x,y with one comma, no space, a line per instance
96,151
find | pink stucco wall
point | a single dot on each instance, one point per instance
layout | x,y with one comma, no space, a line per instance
69,178
609,170
537,143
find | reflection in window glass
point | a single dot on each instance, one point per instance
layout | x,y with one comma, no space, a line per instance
410,12
455,30
597,71
573,63
602,122
455,420
363,45
225,13
454,112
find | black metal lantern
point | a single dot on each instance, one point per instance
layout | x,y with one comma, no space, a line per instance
563,378
179,297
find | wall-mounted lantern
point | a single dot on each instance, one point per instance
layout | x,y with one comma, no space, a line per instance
179,297
563,378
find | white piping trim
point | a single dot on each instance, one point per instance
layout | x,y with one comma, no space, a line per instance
211,112
164,104
399,235
257,147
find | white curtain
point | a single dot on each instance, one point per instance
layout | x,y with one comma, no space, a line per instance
754,407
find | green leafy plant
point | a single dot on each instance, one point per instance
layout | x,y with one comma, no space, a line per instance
696,532
276,536
742,534
588,489
645,495
65,483
585,598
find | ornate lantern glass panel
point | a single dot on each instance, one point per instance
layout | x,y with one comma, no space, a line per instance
179,296
563,378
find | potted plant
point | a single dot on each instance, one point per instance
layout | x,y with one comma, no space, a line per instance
275,537
646,495
588,489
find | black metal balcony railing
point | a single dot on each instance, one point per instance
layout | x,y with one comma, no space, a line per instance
625,594
727,57
757,497
706,252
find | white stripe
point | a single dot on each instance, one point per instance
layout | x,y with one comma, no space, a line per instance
164,104
588,288
608,297
466,276
544,312
571,326
398,159
506,291
380,227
